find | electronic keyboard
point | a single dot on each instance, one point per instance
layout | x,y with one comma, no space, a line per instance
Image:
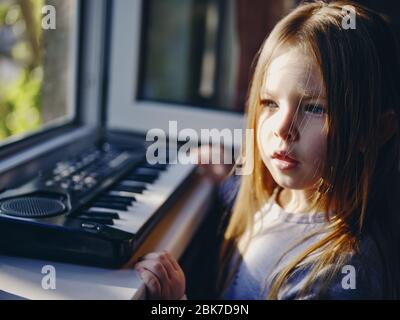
94,208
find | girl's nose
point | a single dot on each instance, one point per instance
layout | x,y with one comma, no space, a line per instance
286,125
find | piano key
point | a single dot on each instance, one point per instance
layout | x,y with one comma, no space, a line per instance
157,166
130,226
147,171
123,194
110,205
135,209
122,214
148,202
108,215
100,220
145,204
128,221
114,199
128,189
133,183
142,178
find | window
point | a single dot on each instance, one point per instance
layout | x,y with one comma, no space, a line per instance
37,65
185,60
182,40
199,52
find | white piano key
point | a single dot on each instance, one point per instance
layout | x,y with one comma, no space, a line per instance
127,221
133,213
128,226
124,194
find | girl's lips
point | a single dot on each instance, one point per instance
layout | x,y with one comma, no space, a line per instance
281,155
284,164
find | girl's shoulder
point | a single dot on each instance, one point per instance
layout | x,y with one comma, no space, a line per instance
362,276
228,191
226,196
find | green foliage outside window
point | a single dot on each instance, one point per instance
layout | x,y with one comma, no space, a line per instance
21,81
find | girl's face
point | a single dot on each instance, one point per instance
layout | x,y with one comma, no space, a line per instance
290,130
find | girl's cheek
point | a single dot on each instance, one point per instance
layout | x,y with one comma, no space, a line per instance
317,146
263,137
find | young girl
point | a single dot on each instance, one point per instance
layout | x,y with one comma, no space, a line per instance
316,218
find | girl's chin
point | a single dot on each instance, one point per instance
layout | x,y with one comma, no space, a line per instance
294,184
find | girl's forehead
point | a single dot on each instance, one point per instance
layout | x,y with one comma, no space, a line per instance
294,71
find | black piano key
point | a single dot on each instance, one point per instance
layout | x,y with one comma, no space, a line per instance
128,189
116,194
115,199
142,178
100,220
147,171
109,205
132,183
157,166
99,214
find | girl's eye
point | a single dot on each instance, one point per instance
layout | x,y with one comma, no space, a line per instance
314,109
269,104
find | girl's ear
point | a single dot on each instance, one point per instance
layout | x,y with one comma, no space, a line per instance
388,126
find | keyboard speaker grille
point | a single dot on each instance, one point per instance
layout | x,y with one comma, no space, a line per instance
32,207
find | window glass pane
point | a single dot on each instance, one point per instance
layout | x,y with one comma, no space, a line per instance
199,52
37,64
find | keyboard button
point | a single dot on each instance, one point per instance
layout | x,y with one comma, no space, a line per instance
90,226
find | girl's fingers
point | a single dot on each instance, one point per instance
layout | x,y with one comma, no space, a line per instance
166,258
173,261
152,283
166,270
155,267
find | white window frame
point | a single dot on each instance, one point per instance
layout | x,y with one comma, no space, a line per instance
127,113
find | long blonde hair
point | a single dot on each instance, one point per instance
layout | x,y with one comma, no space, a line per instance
360,69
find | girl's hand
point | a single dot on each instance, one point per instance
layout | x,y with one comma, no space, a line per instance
205,155
162,275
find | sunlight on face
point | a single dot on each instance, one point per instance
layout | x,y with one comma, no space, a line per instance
292,120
